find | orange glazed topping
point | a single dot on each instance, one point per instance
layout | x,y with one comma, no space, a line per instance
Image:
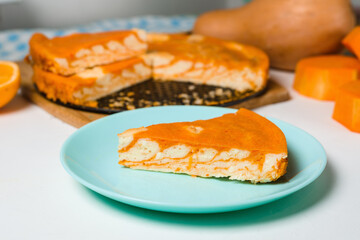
121,65
206,49
244,130
67,46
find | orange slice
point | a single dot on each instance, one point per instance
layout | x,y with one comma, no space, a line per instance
9,81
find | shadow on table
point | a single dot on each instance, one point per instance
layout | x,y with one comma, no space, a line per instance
16,104
300,201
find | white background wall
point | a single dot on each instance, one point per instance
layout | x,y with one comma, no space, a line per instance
62,13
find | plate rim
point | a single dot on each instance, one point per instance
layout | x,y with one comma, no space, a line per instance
168,207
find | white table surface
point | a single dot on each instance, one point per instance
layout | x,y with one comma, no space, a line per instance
39,200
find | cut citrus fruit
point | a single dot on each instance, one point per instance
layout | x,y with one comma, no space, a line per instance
9,81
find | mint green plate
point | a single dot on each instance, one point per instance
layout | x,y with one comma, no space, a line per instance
90,156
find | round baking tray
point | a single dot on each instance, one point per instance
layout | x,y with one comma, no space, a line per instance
162,93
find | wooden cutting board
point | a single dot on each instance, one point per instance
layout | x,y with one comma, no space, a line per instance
78,118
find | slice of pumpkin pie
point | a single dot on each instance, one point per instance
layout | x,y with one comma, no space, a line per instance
241,146
74,53
85,87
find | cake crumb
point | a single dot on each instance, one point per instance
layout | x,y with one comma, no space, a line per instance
227,93
198,101
130,107
195,94
219,92
183,95
186,101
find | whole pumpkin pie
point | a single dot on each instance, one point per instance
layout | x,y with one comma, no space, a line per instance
86,66
241,146
205,60
74,53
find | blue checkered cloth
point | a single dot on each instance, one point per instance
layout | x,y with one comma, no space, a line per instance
14,43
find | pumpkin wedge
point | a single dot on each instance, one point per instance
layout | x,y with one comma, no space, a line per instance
352,41
320,77
347,106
